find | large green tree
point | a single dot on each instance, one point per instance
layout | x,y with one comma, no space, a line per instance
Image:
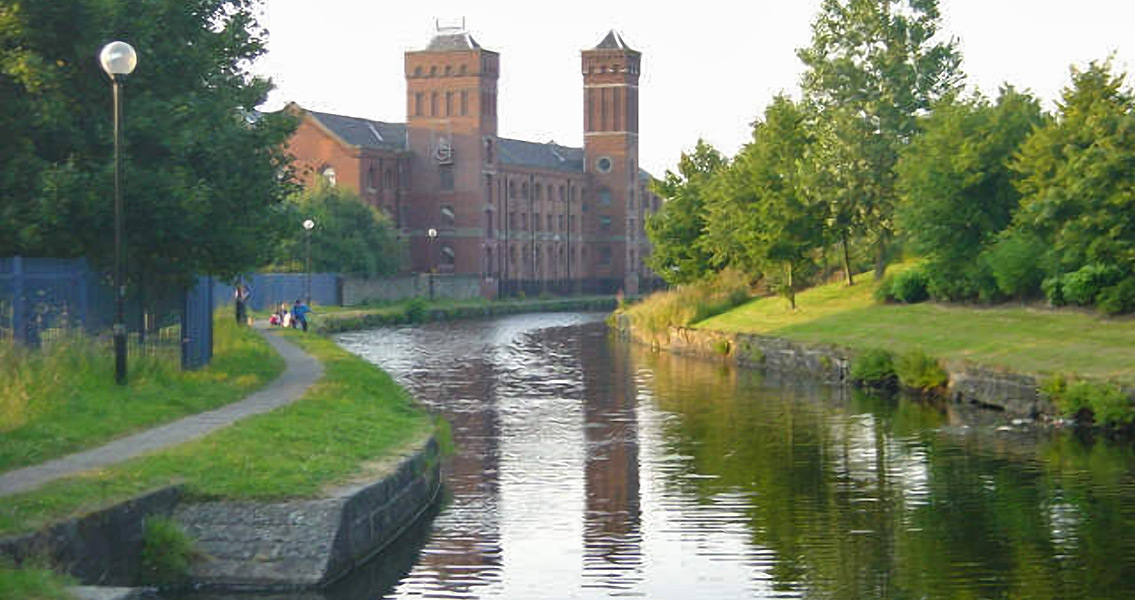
873,66
349,237
203,172
956,187
1077,175
676,231
761,218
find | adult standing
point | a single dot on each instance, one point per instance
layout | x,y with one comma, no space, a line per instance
241,294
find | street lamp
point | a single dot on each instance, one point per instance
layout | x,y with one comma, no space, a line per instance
432,234
118,59
308,225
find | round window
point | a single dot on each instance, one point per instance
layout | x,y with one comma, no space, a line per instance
603,164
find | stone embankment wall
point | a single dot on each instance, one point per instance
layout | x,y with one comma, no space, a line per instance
1014,393
103,547
392,289
307,544
337,323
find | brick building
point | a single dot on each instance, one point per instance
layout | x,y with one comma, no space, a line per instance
520,215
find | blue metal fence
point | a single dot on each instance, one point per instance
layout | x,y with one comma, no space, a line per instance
44,300
269,290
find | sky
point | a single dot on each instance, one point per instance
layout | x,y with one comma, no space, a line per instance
709,67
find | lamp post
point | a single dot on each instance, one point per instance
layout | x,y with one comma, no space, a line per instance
308,225
432,234
118,59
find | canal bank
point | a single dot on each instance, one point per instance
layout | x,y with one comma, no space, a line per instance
1016,394
339,321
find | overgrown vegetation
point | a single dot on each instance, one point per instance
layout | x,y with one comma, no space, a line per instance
1102,404
690,303
64,398
917,370
874,367
354,414
167,552
32,583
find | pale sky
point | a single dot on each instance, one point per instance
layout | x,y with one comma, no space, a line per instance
709,67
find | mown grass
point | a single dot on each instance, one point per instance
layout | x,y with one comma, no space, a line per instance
64,399
32,584
355,414
1031,340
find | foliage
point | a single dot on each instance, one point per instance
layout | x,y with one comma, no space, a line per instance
1053,288
1076,183
956,187
207,173
1015,261
349,236
32,583
1084,285
920,371
1105,403
688,304
871,68
1117,299
908,287
63,398
167,551
675,231
416,310
759,218
874,366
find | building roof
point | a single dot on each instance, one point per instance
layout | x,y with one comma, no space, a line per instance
364,133
452,41
613,41
550,155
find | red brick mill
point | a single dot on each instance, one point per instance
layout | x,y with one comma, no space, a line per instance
520,215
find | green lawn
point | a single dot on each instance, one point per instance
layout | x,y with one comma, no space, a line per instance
64,399
1025,340
32,584
356,414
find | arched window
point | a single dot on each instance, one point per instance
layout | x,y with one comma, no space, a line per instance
448,217
388,179
461,70
512,189
433,71
604,197
448,70
433,104
448,256
524,191
538,191
372,179
418,104
418,71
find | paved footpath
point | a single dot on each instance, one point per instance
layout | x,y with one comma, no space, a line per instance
301,372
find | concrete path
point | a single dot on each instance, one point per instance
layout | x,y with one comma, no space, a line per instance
301,372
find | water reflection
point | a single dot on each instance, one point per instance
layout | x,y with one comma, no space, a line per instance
591,469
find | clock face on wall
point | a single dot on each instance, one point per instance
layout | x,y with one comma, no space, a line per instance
603,164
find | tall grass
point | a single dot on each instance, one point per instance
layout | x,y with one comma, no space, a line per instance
691,303
63,398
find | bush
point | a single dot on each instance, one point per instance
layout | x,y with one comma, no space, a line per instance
884,293
1107,404
166,551
1053,288
1118,299
873,367
1083,286
1015,263
909,287
416,310
920,371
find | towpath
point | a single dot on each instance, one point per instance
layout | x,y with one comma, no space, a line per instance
301,371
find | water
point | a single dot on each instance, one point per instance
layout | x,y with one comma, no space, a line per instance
588,468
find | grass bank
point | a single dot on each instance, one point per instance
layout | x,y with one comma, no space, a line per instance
336,319
1028,340
353,415
64,399
32,584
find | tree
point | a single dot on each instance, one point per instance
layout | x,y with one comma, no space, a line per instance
872,68
349,236
1076,177
203,173
676,230
956,187
761,219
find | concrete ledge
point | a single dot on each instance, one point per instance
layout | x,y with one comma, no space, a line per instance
307,544
90,592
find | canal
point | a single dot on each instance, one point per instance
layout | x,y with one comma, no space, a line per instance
589,468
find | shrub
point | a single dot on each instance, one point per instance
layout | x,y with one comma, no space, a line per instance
1083,286
918,370
1053,288
1118,299
885,291
873,367
1107,404
416,310
1015,263
166,551
909,287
